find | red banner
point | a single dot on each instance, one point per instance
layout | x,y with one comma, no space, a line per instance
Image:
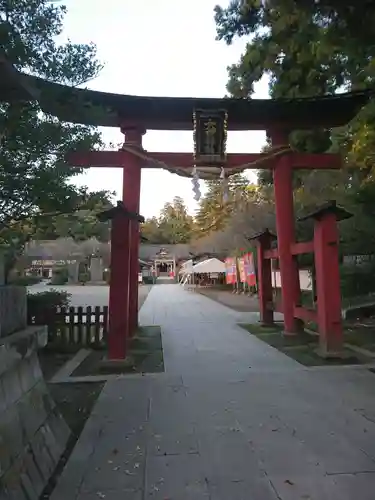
249,269
230,270
241,269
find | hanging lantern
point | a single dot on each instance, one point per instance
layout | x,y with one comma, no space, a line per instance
210,147
210,137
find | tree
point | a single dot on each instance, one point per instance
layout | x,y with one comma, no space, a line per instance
214,210
33,175
151,231
174,224
248,215
82,224
355,19
306,48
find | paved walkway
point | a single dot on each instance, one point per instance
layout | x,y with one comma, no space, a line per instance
231,419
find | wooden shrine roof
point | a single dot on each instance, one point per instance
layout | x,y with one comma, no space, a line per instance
176,113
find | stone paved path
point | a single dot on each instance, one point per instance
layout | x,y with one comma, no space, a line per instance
231,419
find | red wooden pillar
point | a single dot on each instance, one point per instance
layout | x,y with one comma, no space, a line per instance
326,254
118,314
263,241
283,187
118,329
131,190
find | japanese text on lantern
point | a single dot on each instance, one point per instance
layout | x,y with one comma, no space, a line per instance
210,135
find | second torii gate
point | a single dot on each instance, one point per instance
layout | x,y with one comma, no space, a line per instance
132,158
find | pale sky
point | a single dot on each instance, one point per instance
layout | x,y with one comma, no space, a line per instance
161,48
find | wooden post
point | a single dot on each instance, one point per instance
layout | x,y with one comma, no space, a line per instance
326,255
119,319
131,190
283,188
263,241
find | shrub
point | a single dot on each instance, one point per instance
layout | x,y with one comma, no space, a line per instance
84,277
148,280
357,280
60,276
25,280
44,302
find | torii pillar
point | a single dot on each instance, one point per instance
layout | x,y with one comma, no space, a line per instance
131,193
263,242
283,189
119,325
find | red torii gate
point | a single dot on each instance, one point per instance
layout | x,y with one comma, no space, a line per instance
209,119
131,163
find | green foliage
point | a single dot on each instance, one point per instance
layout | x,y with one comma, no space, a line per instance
214,212
43,302
84,277
82,224
148,280
174,224
60,276
25,280
307,49
34,177
357,280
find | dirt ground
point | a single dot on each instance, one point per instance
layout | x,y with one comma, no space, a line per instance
240,303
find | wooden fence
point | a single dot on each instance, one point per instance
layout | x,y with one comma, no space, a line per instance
73,326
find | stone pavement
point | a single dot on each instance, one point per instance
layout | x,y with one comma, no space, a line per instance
230,419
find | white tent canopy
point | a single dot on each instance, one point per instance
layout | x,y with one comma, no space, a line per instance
209,266
187,267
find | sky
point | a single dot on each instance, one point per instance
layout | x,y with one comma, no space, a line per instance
160,48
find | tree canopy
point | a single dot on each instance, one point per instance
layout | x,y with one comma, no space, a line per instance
305,50
308,49
174,224
33,175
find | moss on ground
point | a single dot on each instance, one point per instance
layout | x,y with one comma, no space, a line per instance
303,347
145,355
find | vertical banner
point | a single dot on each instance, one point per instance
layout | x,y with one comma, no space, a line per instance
230,270
250,269
241,269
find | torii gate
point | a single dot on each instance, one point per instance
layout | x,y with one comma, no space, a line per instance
132,158
208,119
